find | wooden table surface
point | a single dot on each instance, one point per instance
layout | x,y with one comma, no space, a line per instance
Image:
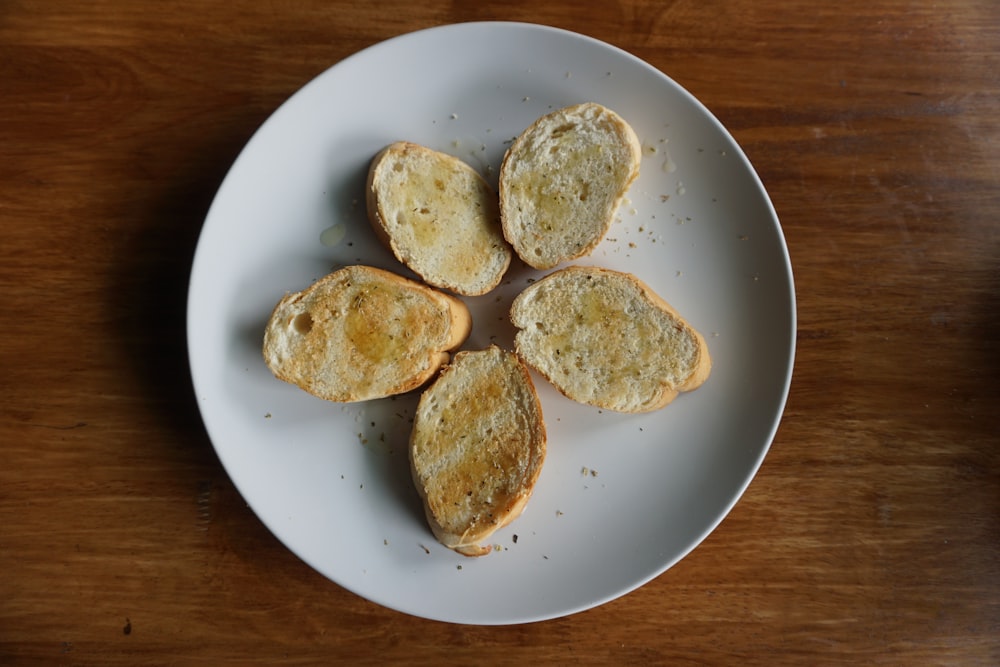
870,534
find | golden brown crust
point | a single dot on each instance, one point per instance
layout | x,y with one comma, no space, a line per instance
372,200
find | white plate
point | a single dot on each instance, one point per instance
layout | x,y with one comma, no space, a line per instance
621,497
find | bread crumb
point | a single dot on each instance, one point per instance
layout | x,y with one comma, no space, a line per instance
267,416
559,512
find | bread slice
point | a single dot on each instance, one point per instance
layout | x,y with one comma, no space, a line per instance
438,216
362,333
477,447
562,181
606,339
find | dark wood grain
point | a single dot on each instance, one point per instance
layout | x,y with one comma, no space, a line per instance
871,534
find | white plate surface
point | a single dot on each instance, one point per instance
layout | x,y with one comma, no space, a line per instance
621,497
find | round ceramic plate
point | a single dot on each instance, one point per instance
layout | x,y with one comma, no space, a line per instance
621,498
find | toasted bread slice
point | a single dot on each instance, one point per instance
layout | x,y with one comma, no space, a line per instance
562,181
438,216
362,333
606,339
477,447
